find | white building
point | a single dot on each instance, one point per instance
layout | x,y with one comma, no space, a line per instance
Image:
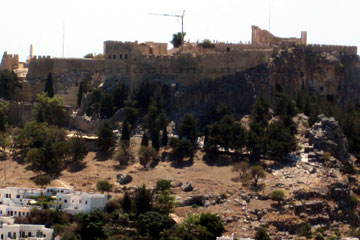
10,230
16,201
76,202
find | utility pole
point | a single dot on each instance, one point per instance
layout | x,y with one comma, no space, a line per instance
63,47
177,16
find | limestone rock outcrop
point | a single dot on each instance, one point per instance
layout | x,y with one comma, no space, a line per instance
326,135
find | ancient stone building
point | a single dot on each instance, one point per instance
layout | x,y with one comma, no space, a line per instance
264,37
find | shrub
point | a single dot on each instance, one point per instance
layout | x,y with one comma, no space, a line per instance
163,184
278,195
42,180
123,154
112,205
354,201
147,154
241,167
348,168
257,172
305,231
261,234
326,156
104,186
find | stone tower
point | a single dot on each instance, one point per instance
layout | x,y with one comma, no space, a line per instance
31,52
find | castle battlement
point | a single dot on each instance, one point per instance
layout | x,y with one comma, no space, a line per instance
331,48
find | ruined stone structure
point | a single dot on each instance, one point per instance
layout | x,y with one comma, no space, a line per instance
264,37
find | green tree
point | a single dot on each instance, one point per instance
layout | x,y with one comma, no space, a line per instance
280,140
305,231
107,109
151,224
261,234
10,85
126,203
188,128
92,225
225,133
106,137
47,144
4,143
207,226
212,223
120,94
241,168
165,202
147,154
162,185
50,110
3,116
49,86
78,149
42,180
69,236
143,200
182,149
125,133
145,139
155,139
278,195
257,172
178,39
123,154
207,44
104,186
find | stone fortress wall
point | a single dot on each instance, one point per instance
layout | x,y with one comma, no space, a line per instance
129,61
67,74
135,61
9,61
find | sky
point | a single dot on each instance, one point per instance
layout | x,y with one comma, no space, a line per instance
88,23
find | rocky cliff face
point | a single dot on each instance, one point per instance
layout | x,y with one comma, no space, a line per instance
326,73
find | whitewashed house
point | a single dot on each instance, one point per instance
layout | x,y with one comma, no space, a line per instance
76,202
10,230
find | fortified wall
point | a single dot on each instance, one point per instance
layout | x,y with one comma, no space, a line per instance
9,62
67,74
128,61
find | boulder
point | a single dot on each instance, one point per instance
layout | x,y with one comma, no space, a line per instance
187,187
326,135
124,178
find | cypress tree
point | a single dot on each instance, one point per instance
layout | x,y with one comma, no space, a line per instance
125,133
164,137
80,93
145,140
49,88
155,141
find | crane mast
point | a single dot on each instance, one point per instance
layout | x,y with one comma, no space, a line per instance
177,16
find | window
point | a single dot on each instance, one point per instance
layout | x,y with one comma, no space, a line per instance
114,56
65,201
17,196
85,202
126,56
120,56
109,56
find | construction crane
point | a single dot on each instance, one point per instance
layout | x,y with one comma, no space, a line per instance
177,16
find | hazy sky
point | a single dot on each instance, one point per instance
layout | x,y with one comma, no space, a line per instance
88,23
